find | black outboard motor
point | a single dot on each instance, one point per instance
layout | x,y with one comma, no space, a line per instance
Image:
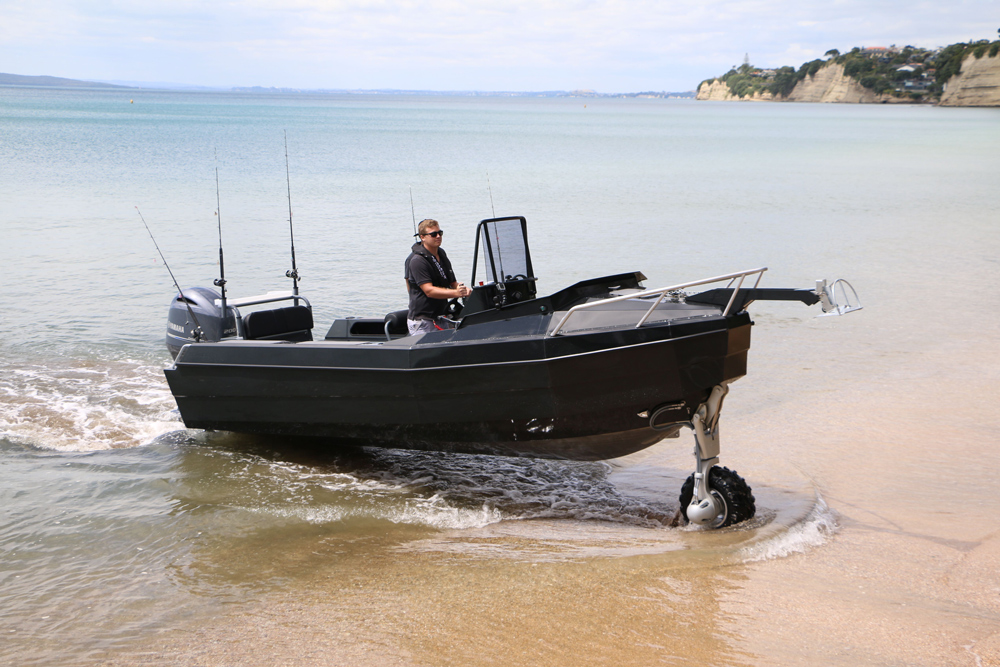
200,301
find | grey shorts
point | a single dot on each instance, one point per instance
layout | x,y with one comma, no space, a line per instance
416,327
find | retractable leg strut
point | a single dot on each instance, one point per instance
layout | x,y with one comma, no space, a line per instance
706,507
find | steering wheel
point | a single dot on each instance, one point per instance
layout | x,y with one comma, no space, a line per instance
454,308
519,276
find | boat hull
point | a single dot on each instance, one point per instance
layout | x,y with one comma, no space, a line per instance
581,397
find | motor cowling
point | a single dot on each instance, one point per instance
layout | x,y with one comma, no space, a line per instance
200,301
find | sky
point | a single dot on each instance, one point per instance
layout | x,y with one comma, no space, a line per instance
609,46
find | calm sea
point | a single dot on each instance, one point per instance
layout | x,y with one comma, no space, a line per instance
124,536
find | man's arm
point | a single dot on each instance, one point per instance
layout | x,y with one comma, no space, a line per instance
456,290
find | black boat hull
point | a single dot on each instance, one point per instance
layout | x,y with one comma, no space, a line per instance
584,397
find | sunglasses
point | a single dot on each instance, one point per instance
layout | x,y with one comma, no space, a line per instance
434,234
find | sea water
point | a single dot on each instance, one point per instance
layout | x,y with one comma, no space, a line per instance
123,535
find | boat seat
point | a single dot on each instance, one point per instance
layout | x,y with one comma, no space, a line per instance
395,323
293,323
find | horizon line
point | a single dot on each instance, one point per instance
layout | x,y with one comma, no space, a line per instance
49,81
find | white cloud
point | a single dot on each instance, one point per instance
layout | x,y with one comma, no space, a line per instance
610,45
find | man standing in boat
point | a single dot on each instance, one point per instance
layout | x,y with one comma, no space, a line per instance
430,280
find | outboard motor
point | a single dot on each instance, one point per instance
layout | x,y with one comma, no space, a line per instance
181,327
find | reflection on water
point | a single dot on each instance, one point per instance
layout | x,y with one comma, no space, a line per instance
506,487
88,548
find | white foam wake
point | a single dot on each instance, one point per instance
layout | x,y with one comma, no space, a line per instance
442,491
85,407
814,530
304,493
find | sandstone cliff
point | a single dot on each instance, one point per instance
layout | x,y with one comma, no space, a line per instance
829,84
977,85
718,91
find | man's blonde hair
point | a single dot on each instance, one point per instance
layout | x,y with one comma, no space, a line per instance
427,224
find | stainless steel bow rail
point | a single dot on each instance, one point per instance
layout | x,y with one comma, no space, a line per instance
738,278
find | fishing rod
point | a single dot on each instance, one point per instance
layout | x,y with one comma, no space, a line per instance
413,212
220,282
496,231
197,333
490,188
294,273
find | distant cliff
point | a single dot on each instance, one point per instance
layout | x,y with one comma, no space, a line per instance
977,85
828,84
717,90
958,75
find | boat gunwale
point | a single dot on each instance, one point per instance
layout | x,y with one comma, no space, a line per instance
315,344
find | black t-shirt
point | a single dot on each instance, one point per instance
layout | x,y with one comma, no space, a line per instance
421,267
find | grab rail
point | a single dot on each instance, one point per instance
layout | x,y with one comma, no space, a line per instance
663,291
270,297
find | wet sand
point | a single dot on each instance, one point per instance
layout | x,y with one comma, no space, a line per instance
913,575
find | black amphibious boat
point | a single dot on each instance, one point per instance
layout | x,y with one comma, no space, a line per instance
598,370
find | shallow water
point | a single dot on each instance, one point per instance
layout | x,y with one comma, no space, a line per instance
125,538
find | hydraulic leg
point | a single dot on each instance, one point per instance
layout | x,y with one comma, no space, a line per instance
706,507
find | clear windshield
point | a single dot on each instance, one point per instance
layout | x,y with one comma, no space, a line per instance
504,250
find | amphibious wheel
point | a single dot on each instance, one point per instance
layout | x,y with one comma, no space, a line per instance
736,501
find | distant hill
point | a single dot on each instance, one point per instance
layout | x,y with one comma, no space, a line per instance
465,93
55,81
